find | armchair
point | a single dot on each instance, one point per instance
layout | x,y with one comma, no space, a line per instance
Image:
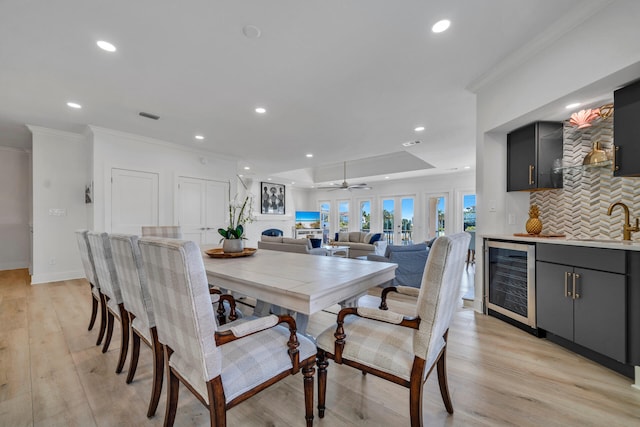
221,368
403,350
411,260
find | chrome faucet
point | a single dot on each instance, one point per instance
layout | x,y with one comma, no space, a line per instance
627,228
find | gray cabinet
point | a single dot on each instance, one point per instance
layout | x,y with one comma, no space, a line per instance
626,130
531,152
583,305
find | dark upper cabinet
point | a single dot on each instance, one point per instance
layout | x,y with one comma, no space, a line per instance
626,130
531,153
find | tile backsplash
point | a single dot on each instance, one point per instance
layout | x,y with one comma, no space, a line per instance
580,208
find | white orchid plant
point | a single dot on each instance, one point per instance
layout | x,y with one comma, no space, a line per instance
240,213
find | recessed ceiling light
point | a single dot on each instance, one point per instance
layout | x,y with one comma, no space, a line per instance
240,175
419,129
292,182
261,110
386,177
410,143
74,105
268,179
106,46
309,155
441,26
572,105
247,168
466,167
200,137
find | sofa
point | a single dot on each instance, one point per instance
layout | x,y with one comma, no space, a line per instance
360,243
286,244
411,260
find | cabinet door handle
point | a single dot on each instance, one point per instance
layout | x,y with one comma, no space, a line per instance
614,152
566,285
575,294
531,182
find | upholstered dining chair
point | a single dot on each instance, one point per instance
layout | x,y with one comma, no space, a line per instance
90,272
168,231
400,349
110,288
221,368
137,302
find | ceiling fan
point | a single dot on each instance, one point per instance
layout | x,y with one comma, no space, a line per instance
345,185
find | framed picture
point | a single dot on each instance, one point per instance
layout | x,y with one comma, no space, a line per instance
272,198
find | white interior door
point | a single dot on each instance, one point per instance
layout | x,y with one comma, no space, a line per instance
202,208
134,200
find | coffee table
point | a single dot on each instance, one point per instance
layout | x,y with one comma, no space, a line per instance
341,251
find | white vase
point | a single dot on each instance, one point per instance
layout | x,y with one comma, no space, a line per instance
232,245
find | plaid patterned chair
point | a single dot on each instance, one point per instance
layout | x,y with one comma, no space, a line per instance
221,368
403,350
110,288
168,231
90,273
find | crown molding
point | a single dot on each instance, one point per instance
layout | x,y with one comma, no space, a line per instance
55,132
546,38
159,142
16,150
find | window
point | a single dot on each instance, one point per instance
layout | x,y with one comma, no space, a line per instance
469,212
388,209
343,215
436,215
365,216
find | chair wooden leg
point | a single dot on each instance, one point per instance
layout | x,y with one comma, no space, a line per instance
173,386
124,342
442,381
94,310
415,392
103,318
135,354
107,338
217,405
158,367
322,363
307,372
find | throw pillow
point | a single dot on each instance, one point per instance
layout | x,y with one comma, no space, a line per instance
367,238
375,238
430,242
343,237
315,243
272,239
354,236
295,241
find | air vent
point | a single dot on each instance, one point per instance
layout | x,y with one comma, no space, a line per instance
410,143
149,115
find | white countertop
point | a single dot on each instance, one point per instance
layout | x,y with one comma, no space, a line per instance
632,245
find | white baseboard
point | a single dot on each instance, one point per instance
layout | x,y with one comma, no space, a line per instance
14,265
37,279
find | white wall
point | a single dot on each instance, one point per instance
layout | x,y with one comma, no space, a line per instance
15,193
114,149
59,179
598,54
451,184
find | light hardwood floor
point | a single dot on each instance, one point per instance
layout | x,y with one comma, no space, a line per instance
52,374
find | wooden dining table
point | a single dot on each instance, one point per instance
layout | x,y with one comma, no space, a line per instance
301,283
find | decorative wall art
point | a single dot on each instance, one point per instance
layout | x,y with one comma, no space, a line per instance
272,198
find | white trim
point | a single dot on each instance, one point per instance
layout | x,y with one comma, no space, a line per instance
162,143
38,279
55,132
26,151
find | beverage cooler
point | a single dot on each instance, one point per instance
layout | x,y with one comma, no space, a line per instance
510,283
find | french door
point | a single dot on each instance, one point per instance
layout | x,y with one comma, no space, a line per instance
398,219
202,209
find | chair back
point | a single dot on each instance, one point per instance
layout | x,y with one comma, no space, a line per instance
132,277
105,268
438,297
182,307
168,231
87,257
273,232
